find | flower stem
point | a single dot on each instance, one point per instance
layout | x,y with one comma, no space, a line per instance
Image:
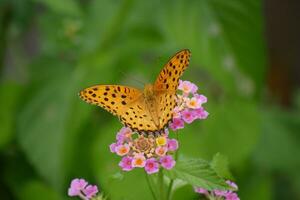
172,180
150,186
161,184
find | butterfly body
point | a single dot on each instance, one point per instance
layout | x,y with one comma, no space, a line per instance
148,110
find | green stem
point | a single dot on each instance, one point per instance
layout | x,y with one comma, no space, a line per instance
172,180
150,186
161,184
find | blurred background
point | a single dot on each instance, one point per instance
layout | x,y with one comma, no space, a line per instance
245,59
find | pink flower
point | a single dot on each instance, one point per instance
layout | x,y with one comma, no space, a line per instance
232,184
112,147
126,163
80,187
201,98
167,162
90,191
200,190
176,112
187,87
172,144
77,185
200,113
232,196
220,193
188,116
151,166
122,149
193,103
139,161
124,134
161,151
177,123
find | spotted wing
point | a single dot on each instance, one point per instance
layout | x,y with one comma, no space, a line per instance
166,85
125,102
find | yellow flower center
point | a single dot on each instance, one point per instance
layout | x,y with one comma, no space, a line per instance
161,141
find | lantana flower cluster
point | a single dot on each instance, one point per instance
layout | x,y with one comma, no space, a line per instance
220,194
189,106
144,151
82,189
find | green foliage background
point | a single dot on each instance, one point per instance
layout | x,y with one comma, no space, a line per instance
51,49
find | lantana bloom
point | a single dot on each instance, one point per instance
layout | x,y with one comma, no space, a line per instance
189,106
151,166
144,151
167,162
81,188
220,194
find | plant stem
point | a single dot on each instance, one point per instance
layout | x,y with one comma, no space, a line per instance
172,180
150,186
161,184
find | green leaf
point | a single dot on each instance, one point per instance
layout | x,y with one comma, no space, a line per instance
220,165
198,173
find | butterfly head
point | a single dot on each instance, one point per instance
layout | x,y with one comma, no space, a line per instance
148,92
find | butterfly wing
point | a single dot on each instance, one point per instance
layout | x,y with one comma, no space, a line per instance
125,102
166,85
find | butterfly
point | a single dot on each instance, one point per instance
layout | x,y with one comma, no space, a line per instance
145,111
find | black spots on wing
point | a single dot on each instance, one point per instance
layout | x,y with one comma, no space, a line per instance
105,93
174,79
113,95
131,118
93,95
139,107
123,102
90,99
167,86
177,56
148,126
123,96
176,72
90,92
135,116
131,108
181,61
165,80
141,125
170,64
105,99
170,73
95,89
181,56
119,89
112,103
107,89
126,113
144,115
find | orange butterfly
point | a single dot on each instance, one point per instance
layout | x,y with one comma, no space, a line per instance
144,111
